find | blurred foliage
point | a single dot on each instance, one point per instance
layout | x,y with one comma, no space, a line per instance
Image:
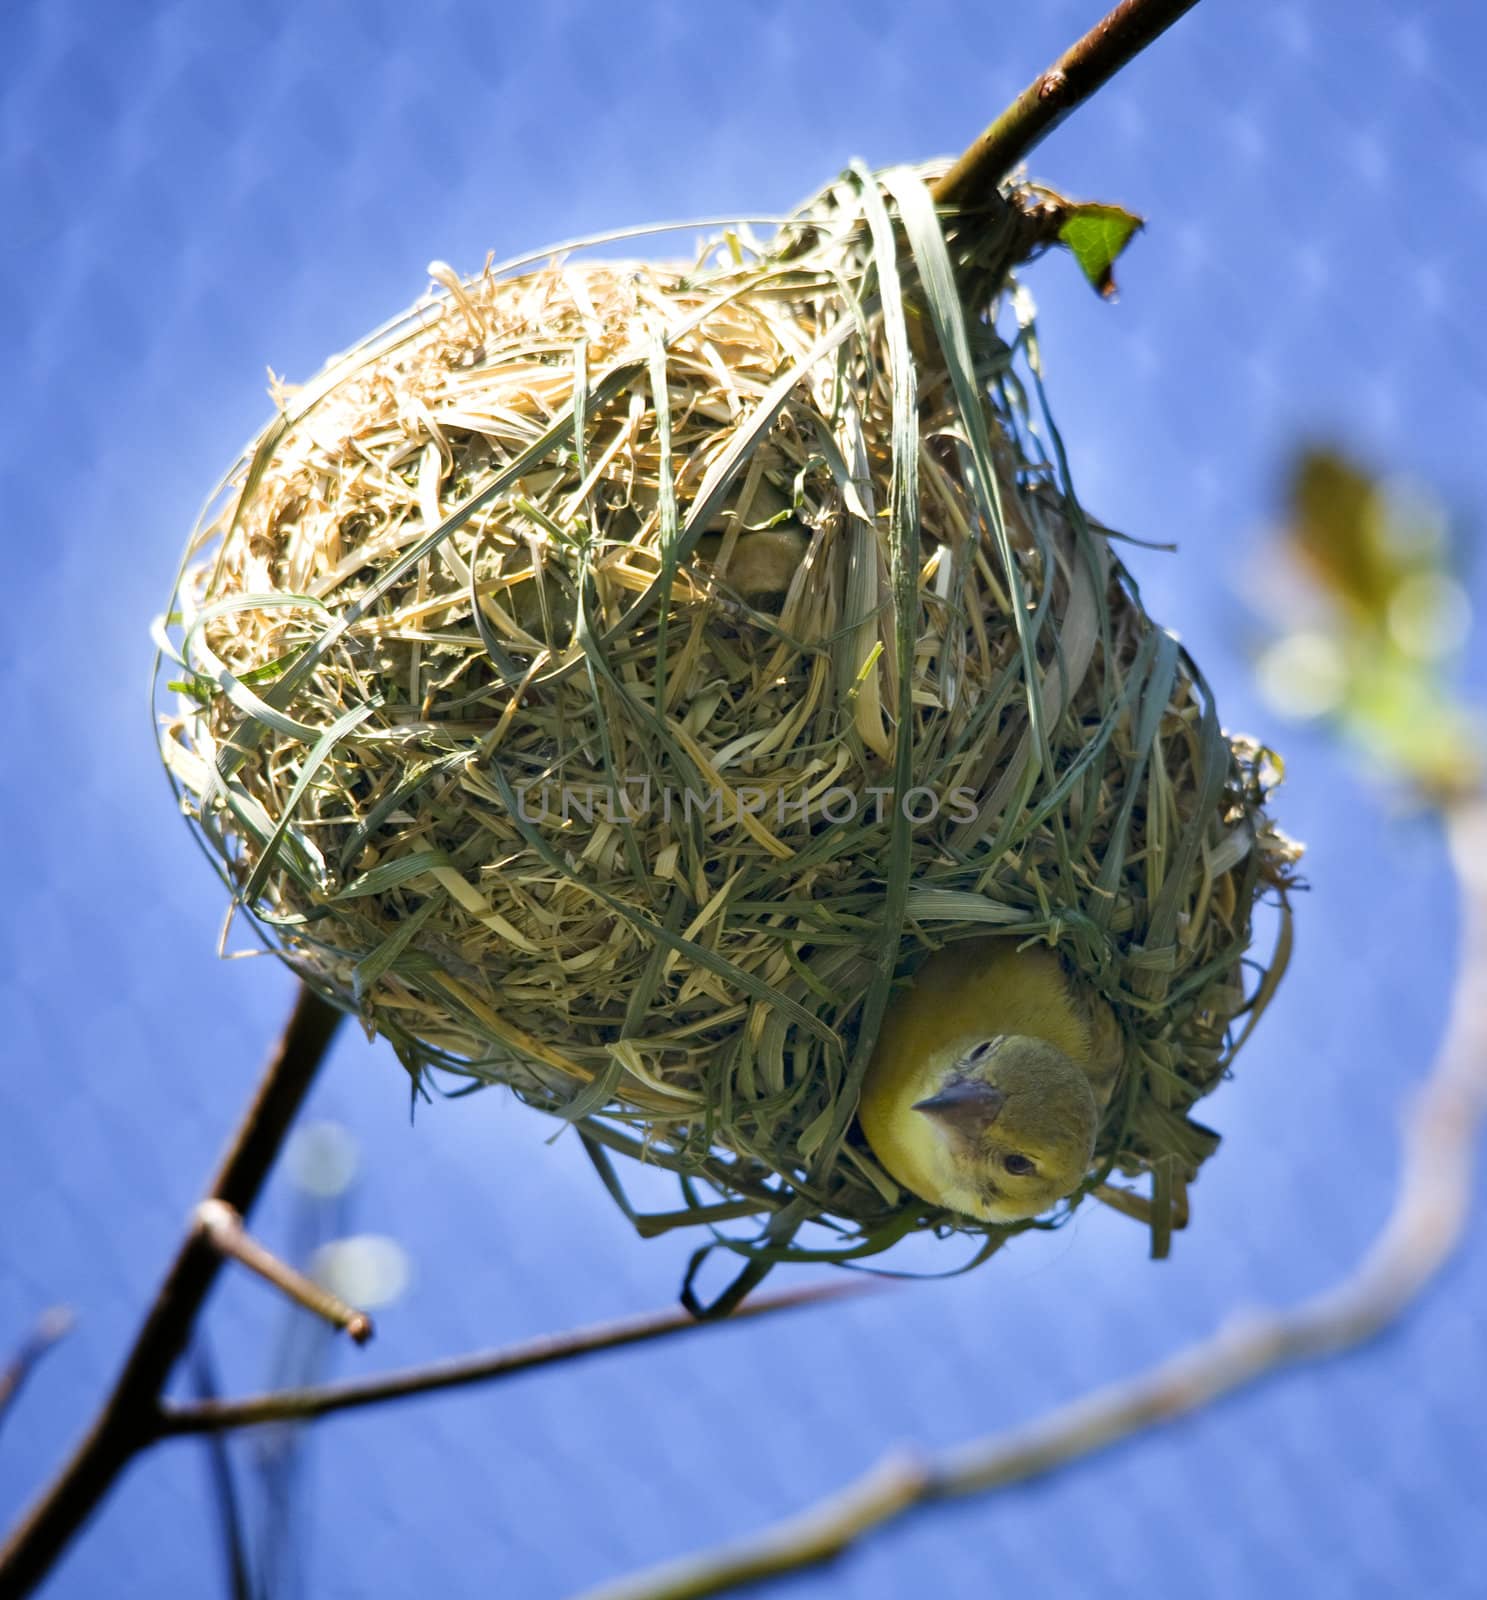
1382,619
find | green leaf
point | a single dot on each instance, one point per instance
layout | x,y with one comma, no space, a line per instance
1096,235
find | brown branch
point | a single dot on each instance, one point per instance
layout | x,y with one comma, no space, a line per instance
302,1405
128,1418
1076,75
136,1416
224,1228
1426,1224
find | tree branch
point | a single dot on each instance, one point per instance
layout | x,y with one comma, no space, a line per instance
1076,75
128,1419
302,1405
222,1483
50,1327
224,1227
1426,1223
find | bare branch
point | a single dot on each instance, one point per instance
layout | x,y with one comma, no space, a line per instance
301,1405
1076,75
1426,1224
51,1326
128,1418
224,1228
222,1483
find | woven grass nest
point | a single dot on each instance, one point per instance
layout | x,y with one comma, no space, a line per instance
609,677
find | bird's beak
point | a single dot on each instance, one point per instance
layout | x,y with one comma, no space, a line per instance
969,1103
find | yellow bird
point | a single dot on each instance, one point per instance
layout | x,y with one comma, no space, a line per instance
990,1075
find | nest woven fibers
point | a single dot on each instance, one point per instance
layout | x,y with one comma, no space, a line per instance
610,678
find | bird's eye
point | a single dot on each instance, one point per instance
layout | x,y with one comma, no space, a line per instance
980,1051
1018,1165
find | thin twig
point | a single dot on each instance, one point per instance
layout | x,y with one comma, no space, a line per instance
128,1418
222,1481
301,1405
224,1227
1076,75
819,1533
1429,1216
51,1326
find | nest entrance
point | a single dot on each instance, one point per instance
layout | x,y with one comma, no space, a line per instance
610,677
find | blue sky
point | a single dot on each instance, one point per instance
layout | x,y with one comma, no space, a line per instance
194,194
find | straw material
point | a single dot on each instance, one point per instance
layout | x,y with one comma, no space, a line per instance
609,677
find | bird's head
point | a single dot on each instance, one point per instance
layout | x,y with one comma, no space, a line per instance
1009,1129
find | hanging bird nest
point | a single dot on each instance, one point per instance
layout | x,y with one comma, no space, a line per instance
610,677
